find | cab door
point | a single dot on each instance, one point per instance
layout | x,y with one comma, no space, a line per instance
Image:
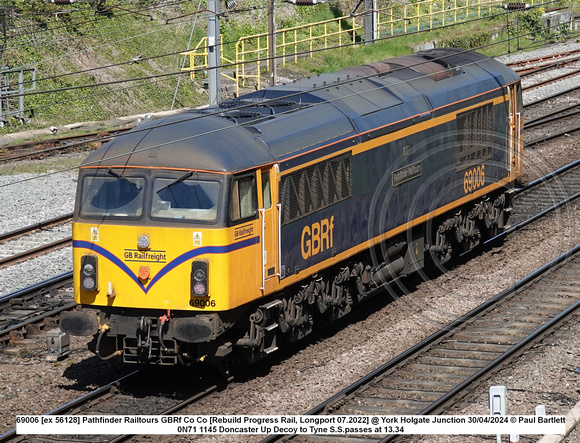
270,219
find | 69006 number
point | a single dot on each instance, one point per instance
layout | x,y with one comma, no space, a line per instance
197,303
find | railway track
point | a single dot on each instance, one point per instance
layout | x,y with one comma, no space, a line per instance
114,440
536,66
122,396
533,62
30,310
559,114
527,69
451,347
560,77
432,375
22,244
42,148
423,380
546,193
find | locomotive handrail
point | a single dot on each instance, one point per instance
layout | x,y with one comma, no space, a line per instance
263,242
279,273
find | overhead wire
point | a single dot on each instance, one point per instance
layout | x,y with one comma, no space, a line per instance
289,96
219,111
93,48
161,28
98,17
184,59
40,80
222,66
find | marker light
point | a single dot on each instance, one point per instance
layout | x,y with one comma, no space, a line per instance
199,289
89,281
199,279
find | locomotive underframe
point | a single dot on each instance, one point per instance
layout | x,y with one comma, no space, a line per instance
249,333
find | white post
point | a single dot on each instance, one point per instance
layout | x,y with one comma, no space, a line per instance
497,402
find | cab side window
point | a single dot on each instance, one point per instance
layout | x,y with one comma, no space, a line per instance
243,198
266,194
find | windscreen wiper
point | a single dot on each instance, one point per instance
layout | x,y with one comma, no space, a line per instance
179,180
122,177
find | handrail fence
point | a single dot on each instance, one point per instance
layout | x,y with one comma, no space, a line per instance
251,52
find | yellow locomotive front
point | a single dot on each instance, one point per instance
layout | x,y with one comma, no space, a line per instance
166,257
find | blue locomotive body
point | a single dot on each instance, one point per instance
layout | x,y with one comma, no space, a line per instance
219,233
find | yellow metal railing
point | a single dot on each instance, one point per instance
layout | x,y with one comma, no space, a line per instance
197,58
431,14
198,61
290,44
251,53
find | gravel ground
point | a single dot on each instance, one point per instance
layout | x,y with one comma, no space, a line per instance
547,374
28,199
546,52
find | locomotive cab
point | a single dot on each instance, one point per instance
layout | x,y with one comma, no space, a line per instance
184,245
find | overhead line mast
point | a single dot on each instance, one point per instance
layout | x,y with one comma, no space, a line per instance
213,52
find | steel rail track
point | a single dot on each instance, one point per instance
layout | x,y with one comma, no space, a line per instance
554,64
36,226
38,314
552,58
553,116
547,138
107,393
465,319
434,407
182,405
31,253
431,375
550,97
74,405
552,80
59,144
43,249
545,195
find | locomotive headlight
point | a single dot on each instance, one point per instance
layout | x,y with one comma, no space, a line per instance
88,277
88,269
199,275
199,279
143,242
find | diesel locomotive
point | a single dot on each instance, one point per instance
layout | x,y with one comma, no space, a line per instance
218,234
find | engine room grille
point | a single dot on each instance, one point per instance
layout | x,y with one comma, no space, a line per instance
474,137
315,187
